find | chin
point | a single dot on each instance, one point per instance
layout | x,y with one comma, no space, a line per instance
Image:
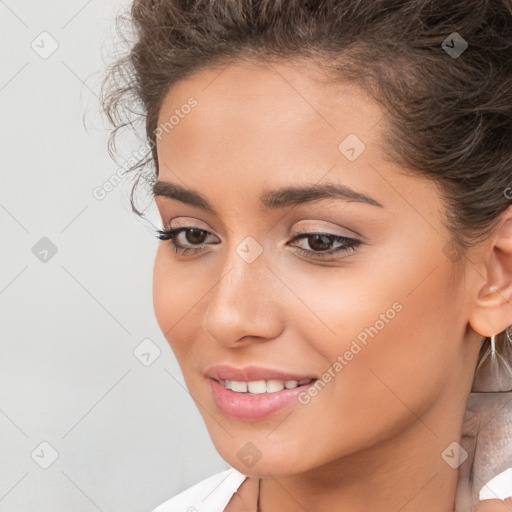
256,456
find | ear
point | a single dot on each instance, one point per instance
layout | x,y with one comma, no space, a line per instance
491,312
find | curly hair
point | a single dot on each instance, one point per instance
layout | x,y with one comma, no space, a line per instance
449,114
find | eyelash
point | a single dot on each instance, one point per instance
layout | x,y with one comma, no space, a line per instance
351,244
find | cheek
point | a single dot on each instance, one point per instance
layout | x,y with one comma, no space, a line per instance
176,292
380,321
406,363
162,296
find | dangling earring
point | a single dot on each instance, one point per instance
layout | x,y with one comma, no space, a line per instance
493,346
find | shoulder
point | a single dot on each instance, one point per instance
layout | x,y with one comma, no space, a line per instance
209,495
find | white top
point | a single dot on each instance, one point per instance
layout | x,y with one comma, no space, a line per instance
500,487
210,495
213,493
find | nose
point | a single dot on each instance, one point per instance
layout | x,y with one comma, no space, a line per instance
245,304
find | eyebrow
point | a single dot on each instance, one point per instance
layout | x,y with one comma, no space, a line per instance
270,199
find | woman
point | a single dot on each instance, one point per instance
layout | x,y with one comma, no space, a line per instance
335,271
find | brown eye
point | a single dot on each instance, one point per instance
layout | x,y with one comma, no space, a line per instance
195,235
319,242
320,245
185,240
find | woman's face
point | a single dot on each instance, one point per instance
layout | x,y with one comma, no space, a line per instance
379,317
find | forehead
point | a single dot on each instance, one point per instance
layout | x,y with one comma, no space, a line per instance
276,114
271,100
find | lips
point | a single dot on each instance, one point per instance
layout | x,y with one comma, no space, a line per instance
253,373
247,406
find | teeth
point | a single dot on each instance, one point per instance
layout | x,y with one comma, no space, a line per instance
257,387
274,385
240,387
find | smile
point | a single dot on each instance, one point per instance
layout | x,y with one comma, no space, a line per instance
258,387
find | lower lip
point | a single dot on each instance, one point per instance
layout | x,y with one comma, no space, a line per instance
245,406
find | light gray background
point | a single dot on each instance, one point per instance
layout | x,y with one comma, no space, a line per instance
128,436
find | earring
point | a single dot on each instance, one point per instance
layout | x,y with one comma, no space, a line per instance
493,345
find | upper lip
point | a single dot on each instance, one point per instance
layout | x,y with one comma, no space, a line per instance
252,373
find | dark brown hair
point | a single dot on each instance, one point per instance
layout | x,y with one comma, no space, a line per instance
449,114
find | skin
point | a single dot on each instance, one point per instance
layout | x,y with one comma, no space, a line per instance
383,422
